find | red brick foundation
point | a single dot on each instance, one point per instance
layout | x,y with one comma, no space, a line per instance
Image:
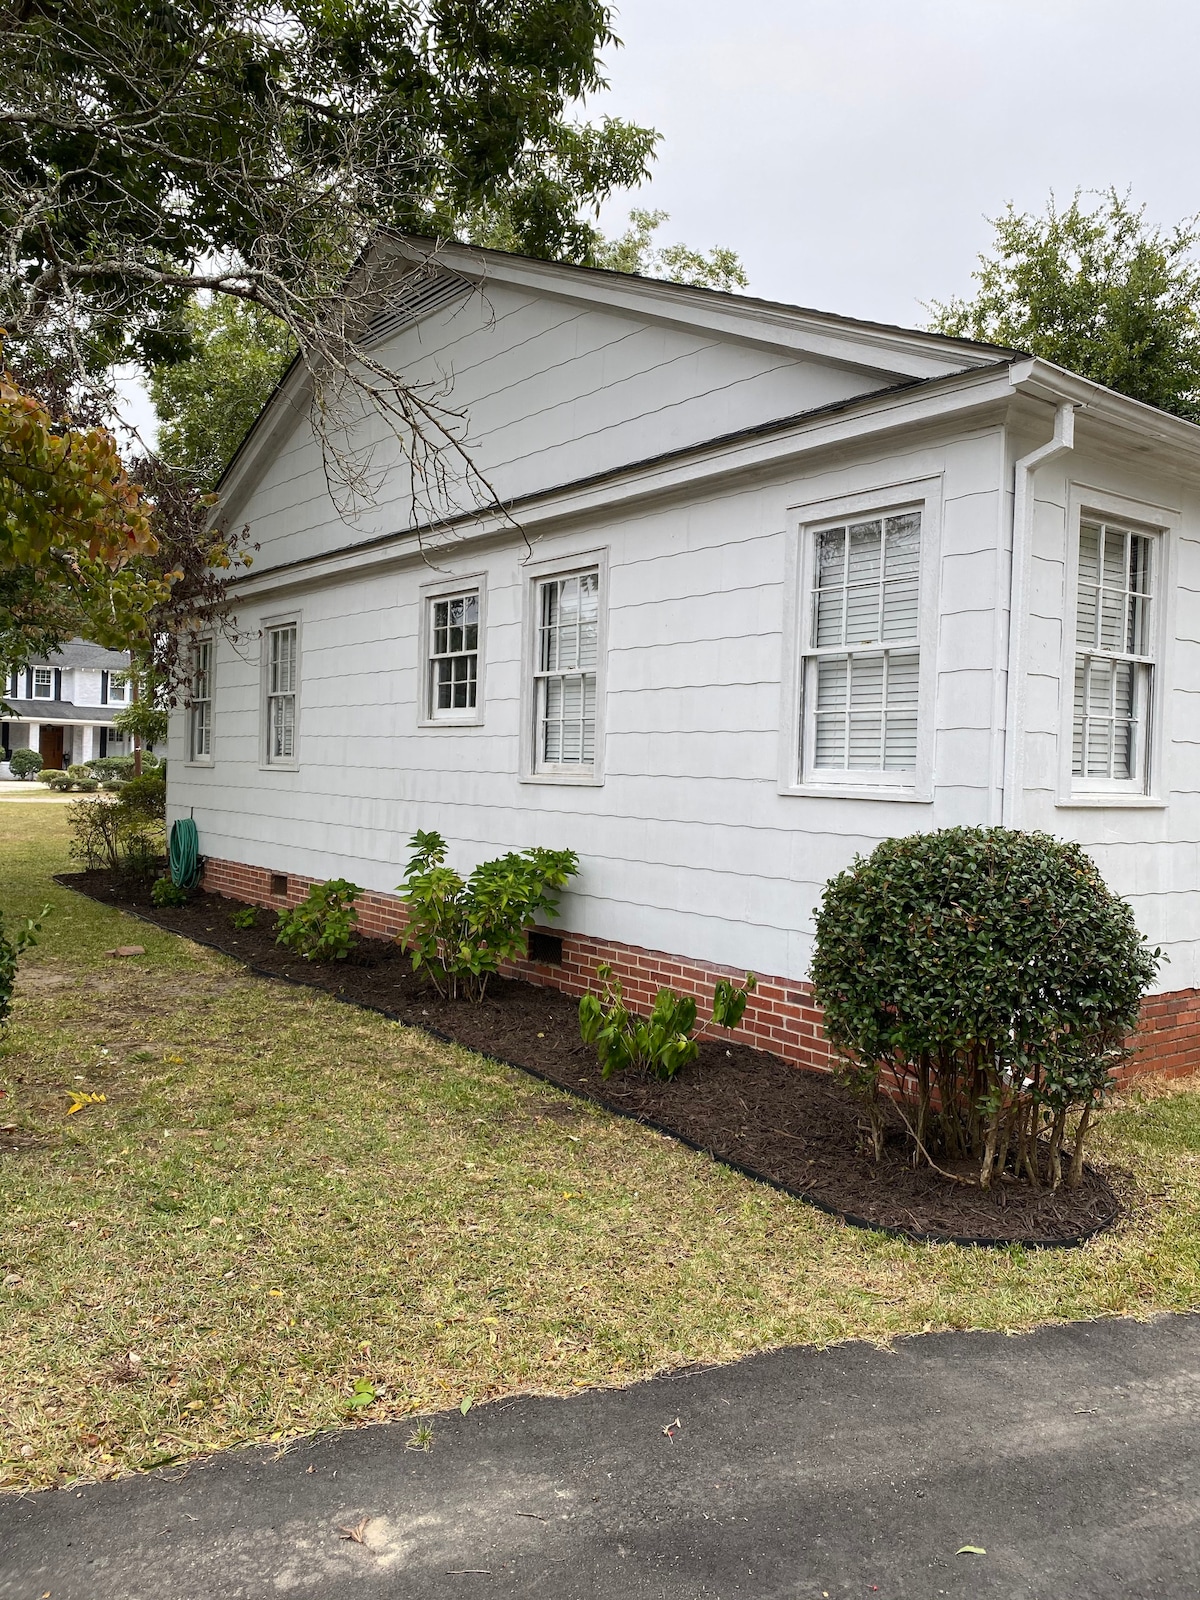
781,1015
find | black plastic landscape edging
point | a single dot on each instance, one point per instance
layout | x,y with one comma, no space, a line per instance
848,1217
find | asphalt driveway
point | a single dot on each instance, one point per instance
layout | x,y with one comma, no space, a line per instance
1069,1455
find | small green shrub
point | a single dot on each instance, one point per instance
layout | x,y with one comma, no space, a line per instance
994,978
25,764
55,778
77,771
166,893
459,929
322,927
145,797
246,917
661,1043
12,946
108,768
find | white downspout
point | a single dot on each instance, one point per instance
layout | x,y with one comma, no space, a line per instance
1018,606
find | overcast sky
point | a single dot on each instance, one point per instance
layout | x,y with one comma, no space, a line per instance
850,150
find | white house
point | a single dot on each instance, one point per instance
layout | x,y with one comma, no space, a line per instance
768,586
63,705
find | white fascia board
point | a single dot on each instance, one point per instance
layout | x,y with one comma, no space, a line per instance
683,472
874,347
1139,424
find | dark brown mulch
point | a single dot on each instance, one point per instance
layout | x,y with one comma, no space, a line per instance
798,1130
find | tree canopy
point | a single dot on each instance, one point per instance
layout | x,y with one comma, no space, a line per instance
1095,289
254,148
121,555
635,251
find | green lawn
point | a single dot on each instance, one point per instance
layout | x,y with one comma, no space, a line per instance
281,1196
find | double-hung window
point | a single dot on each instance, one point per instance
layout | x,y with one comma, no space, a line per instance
861,658
118,689
43,683
1114,657
565,667
454,656
200,706
282,679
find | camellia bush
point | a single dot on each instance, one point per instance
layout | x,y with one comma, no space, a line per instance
989,980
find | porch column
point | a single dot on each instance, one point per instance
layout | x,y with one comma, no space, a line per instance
34,730
85,752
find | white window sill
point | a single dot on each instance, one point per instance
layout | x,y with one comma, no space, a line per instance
279,766
1113,800
206,761
450,722
570,780
850,791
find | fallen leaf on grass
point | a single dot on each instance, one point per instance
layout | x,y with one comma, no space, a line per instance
80,1098
356,1532
970,1550
364,1394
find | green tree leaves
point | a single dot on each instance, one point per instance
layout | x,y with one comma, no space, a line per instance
1096,290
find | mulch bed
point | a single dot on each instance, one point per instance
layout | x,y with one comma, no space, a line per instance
799,1131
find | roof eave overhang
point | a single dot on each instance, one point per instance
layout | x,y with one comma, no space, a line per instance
797,330
1173,438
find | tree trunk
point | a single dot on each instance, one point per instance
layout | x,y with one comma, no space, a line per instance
1075,1172
137,738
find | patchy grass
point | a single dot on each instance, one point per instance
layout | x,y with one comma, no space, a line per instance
289,1215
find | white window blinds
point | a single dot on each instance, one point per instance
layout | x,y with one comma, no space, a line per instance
281,693
565,671
1114,661
861,667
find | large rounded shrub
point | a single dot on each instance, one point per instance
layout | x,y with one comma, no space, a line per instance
988,979
25,763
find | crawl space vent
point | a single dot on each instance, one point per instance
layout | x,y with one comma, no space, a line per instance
420,294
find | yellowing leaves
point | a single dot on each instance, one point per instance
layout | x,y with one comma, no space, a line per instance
81,1098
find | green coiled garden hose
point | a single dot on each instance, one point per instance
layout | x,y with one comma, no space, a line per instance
184,854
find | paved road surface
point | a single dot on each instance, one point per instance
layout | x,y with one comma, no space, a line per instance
1070,1455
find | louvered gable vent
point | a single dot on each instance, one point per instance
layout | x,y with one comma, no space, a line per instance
418,296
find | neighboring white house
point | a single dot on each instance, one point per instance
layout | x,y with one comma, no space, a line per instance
769,586
63,705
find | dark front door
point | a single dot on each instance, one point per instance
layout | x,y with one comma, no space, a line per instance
50,743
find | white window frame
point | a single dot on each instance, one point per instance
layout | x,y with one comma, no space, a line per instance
267,762
204,642
806,522
565,566
1086,504
33,684
118,689
430,593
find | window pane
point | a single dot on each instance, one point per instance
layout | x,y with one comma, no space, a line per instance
903,545
900,620
865,543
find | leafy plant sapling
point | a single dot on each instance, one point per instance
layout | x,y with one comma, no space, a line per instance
12,946
460,929
244,917
322,927
166,893
662,1043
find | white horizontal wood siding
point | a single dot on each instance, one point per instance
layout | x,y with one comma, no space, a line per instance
1150,854
688,845
553,391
